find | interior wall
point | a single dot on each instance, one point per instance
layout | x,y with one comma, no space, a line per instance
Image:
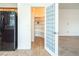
24,26
68,22
8,4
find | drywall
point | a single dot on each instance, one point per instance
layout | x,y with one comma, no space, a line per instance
24,26
25,23
69,5
68,22
8,4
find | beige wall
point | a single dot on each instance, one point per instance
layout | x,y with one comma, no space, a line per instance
69,22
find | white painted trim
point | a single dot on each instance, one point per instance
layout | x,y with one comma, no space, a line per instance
49,51
45,30
56,28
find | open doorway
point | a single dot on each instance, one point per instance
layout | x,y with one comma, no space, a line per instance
44,30
38,17
68,29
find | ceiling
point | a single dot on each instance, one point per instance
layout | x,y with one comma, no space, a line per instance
69,5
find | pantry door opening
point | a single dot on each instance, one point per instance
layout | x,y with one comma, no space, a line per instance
38,18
